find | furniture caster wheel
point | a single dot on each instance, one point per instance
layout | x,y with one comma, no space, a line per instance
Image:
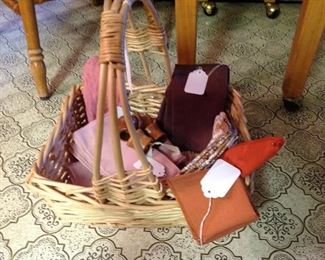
272,10
292,105
97,2
209,8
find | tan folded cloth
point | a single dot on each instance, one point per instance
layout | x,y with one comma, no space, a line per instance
226,215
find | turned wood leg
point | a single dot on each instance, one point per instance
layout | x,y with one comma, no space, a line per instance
186,11
309,30
37,66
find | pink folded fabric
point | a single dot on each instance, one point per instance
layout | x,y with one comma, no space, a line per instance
84,144
90,77
170,168
83,150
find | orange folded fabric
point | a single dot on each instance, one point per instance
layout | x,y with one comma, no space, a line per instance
251,155
226,215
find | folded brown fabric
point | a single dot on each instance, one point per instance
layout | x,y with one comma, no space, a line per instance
226,214
188,118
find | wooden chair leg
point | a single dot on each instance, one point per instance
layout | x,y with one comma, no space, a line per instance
309,30
186,15
37,66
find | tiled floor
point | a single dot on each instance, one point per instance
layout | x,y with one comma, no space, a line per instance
290,189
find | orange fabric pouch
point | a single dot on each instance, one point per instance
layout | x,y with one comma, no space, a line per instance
251,155
226,215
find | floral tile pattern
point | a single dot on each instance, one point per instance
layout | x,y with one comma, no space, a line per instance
289,190
5,252
277,225
308,248
280,255
101,249
17,167
46,218
311,179
316,223
160,251
8,128
221,253
45,247
163,233
14,204
271,182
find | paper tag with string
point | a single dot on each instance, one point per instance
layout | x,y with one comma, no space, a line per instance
196,82
219,179
157,168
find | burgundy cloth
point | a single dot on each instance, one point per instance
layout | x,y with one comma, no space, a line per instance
227,214
187,118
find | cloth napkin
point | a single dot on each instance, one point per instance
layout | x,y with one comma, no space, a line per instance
188,118
226,214
235,209
84,144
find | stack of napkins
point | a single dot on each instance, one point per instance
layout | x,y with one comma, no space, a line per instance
83,149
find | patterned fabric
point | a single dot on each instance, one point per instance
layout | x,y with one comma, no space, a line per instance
289,191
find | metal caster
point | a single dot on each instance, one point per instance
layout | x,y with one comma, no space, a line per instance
272,10
209,7
97,2
292,105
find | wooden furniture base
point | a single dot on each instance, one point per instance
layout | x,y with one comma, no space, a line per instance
309,30
186,18
272,8
36,58
186,15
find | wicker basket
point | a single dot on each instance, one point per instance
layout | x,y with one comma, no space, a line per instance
129,198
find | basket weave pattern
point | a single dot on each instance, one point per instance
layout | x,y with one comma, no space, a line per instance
129,198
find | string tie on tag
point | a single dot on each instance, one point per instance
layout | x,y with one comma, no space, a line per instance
203,220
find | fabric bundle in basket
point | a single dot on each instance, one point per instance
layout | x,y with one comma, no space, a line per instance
135,197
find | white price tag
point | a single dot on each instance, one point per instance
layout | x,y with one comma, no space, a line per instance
157,168
119,112
196,82
219,179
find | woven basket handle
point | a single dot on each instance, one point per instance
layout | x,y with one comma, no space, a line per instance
112,67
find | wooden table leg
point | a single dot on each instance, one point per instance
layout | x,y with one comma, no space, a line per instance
309,30
186,12
37,66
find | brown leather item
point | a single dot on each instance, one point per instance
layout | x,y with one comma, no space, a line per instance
227,214
144,140
124,133
187,118
144,120
155,132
